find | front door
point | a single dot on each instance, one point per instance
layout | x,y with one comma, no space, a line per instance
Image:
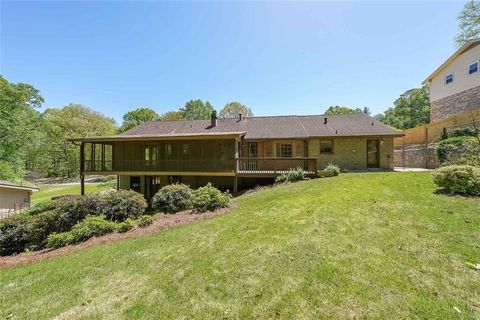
372,154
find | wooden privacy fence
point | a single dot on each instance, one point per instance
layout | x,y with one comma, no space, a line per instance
416,149
431,133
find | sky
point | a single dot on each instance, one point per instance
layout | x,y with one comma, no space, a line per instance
278,58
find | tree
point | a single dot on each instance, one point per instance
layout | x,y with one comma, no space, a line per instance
72,121
468,23
135,117
341,110
196,109
232,109
19,122
172,115
410,110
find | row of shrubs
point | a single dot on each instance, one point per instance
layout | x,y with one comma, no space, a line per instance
31,229
179,197
298,174
459,150
94,226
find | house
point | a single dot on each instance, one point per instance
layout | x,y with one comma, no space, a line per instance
235,152
14,197
455,85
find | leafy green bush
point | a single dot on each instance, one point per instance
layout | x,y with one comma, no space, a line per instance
209,198
43,207
333,168
461,179
40,227
290,176
123,204
459,150
92,226
14,233
58,240
172,198
459,132
144,221
126,225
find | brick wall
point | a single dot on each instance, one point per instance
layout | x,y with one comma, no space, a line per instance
454,104
351,153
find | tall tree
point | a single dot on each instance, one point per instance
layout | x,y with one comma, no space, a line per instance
172,115
19,122
232,109
72,121
341,110
468,23
196,109
135,117
410,110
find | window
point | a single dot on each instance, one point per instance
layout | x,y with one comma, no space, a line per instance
135,184
186,149
174,179
169,149
473,68
286,150
449,78
252,149
326,146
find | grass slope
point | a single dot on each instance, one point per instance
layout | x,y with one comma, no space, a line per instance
47,191
374,245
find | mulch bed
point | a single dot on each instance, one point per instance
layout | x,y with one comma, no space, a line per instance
160,223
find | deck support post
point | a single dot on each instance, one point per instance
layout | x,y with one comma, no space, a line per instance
82,167
235,184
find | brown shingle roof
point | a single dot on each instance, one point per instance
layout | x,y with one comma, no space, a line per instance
274,127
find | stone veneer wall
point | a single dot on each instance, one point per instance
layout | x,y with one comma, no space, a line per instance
416,156
454,104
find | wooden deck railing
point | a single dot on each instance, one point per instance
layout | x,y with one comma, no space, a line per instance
274,166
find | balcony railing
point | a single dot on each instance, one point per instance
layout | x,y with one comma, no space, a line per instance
274,166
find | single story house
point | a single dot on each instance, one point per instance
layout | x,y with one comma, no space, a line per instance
235,152
14,197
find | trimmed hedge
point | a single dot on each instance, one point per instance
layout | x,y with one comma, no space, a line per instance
121,205
173,198
460,179
209,198
33,228
459,150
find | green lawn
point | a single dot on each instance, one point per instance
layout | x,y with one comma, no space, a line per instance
47,191
367,245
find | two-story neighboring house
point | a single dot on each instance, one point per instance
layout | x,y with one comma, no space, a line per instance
237,151
455,85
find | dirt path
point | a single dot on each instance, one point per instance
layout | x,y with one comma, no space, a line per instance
163,222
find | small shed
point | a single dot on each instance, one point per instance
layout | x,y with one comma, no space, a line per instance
14,197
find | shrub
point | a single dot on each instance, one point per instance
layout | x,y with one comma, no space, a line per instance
209,198
459,150
58,240
144,221
461,179
292,175
125,225
92,226
14,233
74,210
333,168
123,204
40,227
173,198
43,207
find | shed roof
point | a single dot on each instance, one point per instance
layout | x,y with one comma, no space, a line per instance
10,185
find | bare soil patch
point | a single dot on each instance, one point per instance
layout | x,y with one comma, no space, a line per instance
162,222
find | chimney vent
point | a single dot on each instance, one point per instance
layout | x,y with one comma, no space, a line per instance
325,120
239,117
213,119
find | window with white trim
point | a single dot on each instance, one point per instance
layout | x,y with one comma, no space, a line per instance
472,68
